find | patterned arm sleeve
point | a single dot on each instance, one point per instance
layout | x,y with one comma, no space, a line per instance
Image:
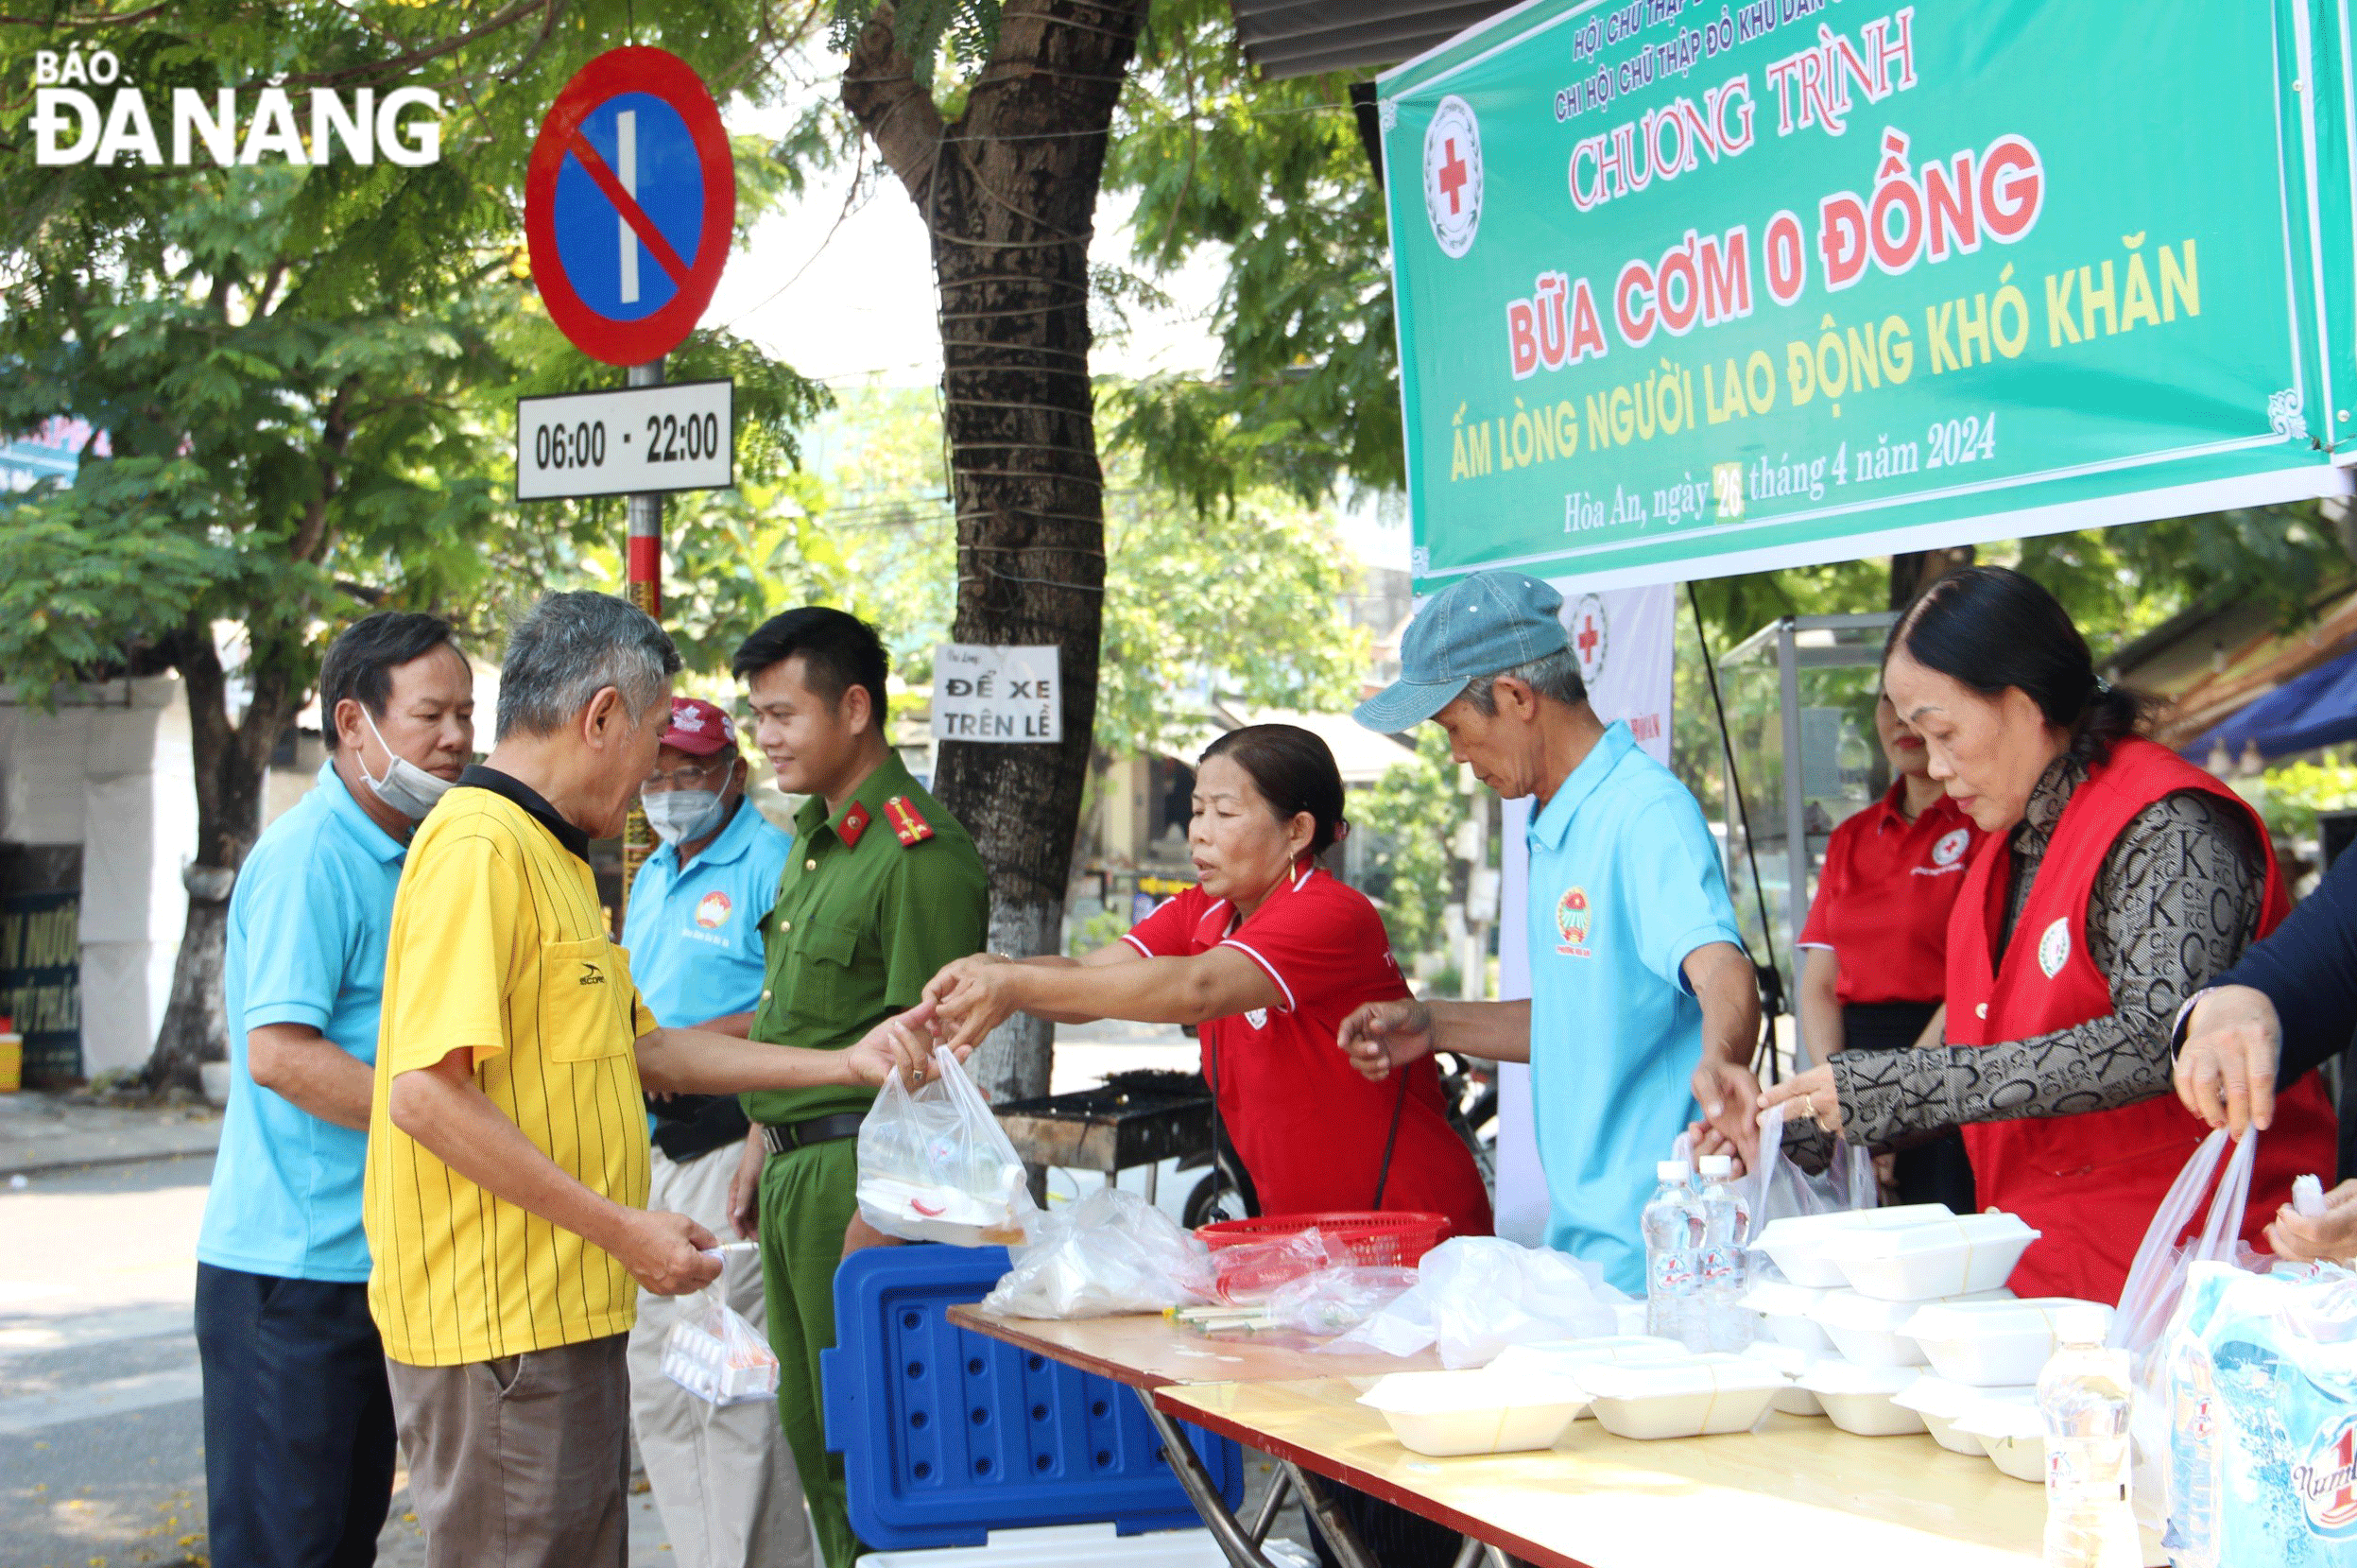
2176,902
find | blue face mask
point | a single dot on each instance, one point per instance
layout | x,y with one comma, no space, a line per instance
682,815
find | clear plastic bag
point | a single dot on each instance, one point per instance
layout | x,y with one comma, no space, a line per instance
1333,1301
1476,1295
1777,1189
1112,1251
1251,1271
716,1355
2154,1290
935,1164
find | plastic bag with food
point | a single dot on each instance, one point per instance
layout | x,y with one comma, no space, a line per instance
935,1164
1112,1251
716,1355
1476,1295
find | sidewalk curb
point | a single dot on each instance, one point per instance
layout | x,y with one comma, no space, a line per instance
73,1149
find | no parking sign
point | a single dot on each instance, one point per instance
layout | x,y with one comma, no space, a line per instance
628,204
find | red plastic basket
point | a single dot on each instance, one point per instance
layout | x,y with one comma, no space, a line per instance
1373,1240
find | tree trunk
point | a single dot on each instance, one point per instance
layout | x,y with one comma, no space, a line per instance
1916,570
231,764
1009,190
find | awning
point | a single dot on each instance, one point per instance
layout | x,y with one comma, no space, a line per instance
2315,709
1301,37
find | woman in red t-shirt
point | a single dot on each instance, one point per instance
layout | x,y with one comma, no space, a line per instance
1268,953
1874,949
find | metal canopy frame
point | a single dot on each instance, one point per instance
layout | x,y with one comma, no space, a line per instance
1796,643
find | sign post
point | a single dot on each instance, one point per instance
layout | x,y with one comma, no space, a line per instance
628,203
642,574
640,441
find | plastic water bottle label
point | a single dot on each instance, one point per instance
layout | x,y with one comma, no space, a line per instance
2327,1483
1672,1274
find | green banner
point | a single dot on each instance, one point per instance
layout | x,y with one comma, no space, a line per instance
1688,289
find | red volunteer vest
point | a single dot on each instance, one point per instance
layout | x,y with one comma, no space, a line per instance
2091,1182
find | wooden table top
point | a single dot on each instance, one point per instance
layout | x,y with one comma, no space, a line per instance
1800,1493
1147,1351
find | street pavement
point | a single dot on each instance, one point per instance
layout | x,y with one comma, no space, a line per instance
101,1435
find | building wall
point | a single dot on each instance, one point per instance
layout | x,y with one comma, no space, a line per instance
111,770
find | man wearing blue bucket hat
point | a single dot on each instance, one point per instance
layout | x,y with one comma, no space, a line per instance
1641,999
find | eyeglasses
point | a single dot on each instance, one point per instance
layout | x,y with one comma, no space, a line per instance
685,777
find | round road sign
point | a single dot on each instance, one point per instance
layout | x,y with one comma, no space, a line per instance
629,206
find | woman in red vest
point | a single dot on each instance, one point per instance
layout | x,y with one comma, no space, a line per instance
2116,881
1874,949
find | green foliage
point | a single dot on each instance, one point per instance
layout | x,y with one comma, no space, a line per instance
1408,819
307,374
1274,174
1102,929
1245,605
2289,797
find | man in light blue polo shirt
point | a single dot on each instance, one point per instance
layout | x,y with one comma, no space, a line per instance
298,1419
722,1476
1641,998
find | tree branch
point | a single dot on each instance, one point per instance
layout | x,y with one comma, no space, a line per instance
336,435
880,88
125,19
191,651
417,57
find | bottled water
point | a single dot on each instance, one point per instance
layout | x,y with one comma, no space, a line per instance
2083,1395
1724,1221
1673,1228
2191,1538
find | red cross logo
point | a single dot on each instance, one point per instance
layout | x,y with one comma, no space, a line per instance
1587,638
1451,174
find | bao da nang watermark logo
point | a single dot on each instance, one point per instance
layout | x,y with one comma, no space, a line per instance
85,112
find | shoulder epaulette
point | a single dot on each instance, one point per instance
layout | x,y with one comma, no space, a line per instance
906,821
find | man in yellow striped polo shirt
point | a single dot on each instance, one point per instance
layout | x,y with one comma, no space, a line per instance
507,1165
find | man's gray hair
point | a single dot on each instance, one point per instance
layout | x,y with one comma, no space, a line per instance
1555,677
569,645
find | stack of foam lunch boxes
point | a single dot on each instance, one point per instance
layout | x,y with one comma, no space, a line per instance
1884,1322
1897,1320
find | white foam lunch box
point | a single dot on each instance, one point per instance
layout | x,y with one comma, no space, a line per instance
1443,1415
1991,1344
1942,1404
1793,1400
1959,1256
2011,1432
1704,1396
1787,1314
1876,1334
1569,1358
1795,1245
1863,1400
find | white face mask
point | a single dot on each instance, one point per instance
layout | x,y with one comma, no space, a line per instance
682,815
407,787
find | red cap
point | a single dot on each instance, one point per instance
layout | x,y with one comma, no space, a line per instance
698,729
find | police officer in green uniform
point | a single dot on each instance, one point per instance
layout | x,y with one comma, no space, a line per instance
883,889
